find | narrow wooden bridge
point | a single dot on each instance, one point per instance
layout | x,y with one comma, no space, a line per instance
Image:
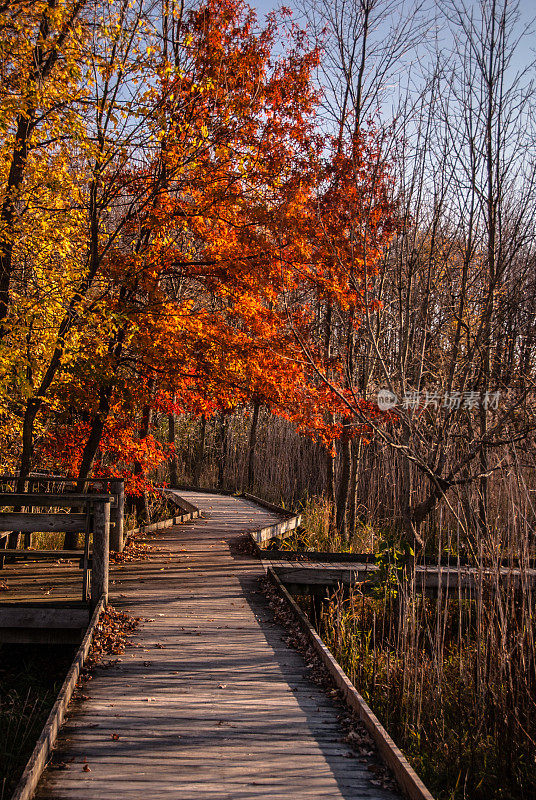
209,702
334,572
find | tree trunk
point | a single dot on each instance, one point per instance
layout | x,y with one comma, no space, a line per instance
330,459
416,514
173,467
344,483
330,486
354,475
141,502
251,446
200,454
222,455
90,450
25,463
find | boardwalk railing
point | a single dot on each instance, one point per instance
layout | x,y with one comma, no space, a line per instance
44,484
91,518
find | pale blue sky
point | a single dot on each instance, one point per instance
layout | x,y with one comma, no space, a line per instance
525,54
527,9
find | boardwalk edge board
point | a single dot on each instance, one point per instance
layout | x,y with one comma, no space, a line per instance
407,778
166,523
43,749
281,529
320,555
270,506
175,497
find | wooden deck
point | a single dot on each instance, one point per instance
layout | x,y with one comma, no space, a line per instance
334,573
41,601
41,582
209,703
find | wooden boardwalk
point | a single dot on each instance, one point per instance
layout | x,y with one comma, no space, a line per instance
334,573
209,703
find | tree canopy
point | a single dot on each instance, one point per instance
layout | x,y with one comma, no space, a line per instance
173,223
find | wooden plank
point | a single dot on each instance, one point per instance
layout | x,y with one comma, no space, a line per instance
370,558
47,523
278,529
31,555
71,480
46,617
166,523
50,500
270,506
321,576
179,501
319,556
26,787
426,579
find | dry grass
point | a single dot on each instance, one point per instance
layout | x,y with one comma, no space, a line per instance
318,532
452,678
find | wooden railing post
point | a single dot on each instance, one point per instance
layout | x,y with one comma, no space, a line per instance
117,515
101,551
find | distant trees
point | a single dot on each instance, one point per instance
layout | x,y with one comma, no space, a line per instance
445,311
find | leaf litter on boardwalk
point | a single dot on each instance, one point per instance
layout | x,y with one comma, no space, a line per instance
111,634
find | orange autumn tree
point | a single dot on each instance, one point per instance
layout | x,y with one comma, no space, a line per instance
193,274
214,248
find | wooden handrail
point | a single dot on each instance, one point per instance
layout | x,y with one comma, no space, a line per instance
68,555
49,523
32,478
95,521
116,488
51,500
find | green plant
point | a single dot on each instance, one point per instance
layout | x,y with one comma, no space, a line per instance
393,561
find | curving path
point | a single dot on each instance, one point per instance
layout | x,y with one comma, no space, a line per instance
209,703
